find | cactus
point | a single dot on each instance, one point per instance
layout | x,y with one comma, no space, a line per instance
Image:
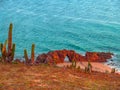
33,53
88,68
4,52
1,46
73,63
26,56
10,39
113,70
13,51
8,55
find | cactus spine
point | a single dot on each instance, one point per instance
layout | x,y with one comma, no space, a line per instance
26,56
33,53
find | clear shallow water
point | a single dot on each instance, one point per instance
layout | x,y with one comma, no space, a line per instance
81,25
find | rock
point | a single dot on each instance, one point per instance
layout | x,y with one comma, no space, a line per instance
59,56
41,58
98,56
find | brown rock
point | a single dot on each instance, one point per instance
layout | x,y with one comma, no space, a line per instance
98,56
58,56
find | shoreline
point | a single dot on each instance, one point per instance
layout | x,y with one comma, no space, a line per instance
96,66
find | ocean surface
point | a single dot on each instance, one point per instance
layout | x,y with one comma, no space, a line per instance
81,25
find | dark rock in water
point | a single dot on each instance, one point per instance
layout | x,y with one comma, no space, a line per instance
59,56
98,56
111,60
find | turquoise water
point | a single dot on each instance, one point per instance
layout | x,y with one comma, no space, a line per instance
81,25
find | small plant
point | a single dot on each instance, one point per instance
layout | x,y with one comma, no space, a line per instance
113,70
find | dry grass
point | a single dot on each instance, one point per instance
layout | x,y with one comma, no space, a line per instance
22,77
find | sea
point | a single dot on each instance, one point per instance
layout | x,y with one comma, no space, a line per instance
80,25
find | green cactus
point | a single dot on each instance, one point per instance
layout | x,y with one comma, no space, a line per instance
1,46
13,51
10,39
4,52
73,63
88,68
26,56
33,53
8,54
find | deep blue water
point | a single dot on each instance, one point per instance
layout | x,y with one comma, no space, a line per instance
81,25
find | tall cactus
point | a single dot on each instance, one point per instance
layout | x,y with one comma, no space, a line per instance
33,53
10,40
26,56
